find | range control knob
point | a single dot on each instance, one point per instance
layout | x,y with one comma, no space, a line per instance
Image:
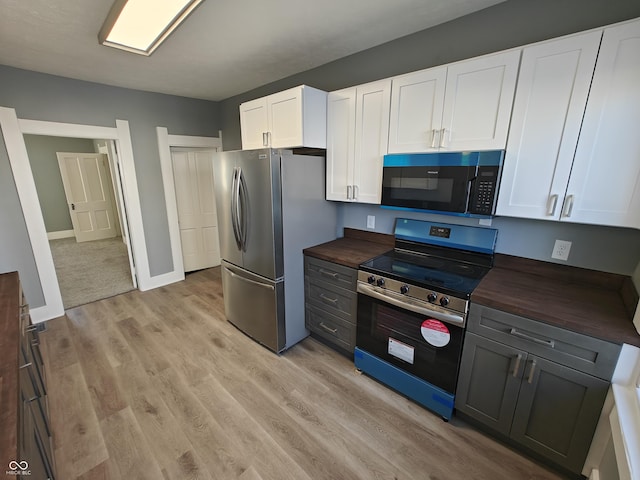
380,282
432,297
444,301
371,279
404,289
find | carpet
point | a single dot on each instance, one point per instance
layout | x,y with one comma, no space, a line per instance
90,271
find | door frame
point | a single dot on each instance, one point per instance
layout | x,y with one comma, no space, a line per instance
165,142
13,130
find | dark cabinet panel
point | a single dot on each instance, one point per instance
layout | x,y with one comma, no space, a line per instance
557,411
541,386
489,381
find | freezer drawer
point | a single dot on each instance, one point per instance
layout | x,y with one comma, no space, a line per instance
255,305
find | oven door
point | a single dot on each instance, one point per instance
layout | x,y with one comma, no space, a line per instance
421,344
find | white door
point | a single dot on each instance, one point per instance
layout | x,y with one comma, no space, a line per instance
478,99
604,187
341,129
87,186
373,101
193,177
417,101
254,123
553,86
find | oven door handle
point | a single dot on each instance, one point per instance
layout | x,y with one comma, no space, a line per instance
401,302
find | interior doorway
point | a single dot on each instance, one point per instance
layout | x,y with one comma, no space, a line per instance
83,215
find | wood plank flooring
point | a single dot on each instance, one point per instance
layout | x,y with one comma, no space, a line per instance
158,385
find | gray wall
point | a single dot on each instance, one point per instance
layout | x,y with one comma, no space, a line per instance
46,175
39,96
506,25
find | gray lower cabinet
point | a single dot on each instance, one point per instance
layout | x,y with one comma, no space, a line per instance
519,387
331,302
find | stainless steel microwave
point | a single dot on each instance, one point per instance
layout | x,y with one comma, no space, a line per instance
454,183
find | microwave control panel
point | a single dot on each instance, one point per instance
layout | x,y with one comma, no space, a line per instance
483,195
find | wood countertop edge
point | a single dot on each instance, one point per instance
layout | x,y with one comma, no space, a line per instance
9,358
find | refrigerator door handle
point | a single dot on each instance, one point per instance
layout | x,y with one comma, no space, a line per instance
235,186
243,210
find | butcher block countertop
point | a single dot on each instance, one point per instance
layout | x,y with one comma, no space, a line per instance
594,303
355,247
9,345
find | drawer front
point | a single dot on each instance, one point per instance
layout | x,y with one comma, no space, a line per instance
338,275
582,352
334,300
330,327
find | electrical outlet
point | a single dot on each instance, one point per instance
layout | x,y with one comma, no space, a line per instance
371,221
561,250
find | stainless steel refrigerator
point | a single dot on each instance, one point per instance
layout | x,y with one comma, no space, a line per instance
271,205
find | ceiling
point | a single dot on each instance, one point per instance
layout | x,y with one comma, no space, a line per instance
226,47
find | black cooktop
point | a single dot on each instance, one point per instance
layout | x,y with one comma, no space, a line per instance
448,276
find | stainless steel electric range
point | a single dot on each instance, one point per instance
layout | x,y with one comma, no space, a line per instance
412,308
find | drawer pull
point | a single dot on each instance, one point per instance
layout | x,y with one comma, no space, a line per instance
327,273
517,365
32,328
332,301
546,343
330,330
533,369
26,365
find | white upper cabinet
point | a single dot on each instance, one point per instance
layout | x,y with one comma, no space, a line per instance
357,138
552,92
604,187
462,106
574,150
341,135
292,118
417,100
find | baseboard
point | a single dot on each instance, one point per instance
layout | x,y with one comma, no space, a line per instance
60,234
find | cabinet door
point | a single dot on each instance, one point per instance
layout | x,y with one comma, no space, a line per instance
557,412
553,86
478,100
254,123
489,380
604,187
371,139
417,100
341,130
284,110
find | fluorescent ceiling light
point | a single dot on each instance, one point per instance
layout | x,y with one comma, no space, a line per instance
140,26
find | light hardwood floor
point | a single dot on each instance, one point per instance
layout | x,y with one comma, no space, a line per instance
158,385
